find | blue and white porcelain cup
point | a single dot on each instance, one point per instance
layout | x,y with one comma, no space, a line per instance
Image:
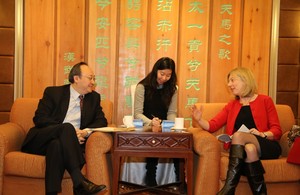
167,125
138,124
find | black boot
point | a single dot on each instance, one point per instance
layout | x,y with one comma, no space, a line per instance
151,167
236,161
255,175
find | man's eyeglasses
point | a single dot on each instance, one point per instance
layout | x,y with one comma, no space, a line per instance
90,77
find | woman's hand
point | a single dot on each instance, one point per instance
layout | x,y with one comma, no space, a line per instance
156,127
197,112
156,121
197,115
256,132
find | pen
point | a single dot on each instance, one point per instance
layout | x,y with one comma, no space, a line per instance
156,117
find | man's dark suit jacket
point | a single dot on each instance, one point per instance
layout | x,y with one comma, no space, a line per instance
53,108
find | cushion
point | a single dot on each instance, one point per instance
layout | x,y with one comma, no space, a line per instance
294,154
27,165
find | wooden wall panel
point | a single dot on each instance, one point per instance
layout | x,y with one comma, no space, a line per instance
132,52
7,14
163,31
122,40
225,47
7,69
192,55
7,56
39,46
101,48
7,40
256,40
69,39
288,79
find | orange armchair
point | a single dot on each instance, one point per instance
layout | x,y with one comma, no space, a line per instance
281,177
22,173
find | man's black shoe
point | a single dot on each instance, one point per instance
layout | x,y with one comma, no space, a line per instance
87,187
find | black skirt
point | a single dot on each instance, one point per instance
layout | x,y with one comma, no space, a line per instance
270,149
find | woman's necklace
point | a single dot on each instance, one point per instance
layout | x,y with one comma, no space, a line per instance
246,100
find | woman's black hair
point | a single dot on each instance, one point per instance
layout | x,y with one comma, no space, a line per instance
169,87
76,71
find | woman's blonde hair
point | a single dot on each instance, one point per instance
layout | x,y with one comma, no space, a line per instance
247,77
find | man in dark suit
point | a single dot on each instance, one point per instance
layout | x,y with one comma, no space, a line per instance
59,133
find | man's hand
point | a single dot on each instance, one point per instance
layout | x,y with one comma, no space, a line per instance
81,134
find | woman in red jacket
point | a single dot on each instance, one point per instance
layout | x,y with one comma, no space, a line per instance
255,111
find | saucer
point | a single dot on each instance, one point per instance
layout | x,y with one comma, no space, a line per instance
182,129
176,128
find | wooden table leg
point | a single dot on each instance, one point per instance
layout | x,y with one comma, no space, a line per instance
190,174
116,173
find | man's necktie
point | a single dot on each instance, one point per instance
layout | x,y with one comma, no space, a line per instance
81,101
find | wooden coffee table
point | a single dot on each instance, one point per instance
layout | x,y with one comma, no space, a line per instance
153,144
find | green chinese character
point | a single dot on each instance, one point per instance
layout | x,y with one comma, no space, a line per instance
193,64
66,81
226,8
132,62
195,7
102,61
102,42
226,24
103,3
222,38
69,56
167,6
133,23
101,81
129,80
103,96
165,43
194,45
134,4
132,43
190,121
67,69
224,54
102,23
128,101
195,26
164,25
192,83
191,101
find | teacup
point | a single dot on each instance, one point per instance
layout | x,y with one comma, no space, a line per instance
138,124
128,121
167,125
179,123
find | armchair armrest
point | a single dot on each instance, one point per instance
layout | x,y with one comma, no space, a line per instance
97,146
208,149
11,137
284,144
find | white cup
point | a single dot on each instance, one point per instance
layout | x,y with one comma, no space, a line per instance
179,123
128,120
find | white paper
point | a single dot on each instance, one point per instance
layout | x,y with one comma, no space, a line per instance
243,128
110,129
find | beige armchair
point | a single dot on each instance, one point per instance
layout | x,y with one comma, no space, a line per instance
22,173
281,177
